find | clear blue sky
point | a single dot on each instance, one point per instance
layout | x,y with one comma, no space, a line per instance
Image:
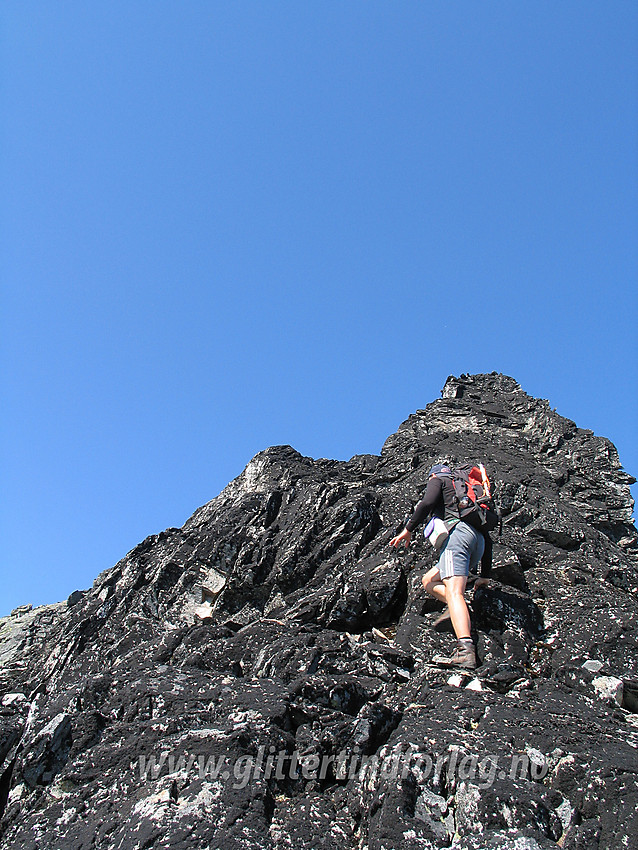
229,225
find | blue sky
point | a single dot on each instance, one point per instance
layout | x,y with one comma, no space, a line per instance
229,225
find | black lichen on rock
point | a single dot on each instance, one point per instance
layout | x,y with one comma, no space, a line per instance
261,677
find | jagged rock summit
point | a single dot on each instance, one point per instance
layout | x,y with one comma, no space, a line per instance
261,677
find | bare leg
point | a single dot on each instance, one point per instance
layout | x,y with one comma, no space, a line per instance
433,584
451,590
460,616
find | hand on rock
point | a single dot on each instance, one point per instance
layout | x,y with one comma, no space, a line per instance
405,535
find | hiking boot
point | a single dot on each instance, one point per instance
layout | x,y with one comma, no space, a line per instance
463,656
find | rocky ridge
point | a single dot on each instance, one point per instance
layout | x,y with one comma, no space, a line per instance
261,677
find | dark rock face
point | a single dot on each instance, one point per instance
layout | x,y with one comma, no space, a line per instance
261,677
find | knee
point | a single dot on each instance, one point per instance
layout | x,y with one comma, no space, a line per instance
428,583
456,591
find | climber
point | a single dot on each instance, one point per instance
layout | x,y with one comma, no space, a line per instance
460,554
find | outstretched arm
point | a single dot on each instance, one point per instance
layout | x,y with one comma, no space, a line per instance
422,511
398,540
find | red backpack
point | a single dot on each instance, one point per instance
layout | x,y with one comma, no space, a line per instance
473,495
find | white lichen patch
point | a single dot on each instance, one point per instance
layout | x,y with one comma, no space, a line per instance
153,807
203,803
240,719
17,793
609,688
13,699
67,817
61,788
209,733
565,812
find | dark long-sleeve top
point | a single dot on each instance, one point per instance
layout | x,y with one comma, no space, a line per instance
438,499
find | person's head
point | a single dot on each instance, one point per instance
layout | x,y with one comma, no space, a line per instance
437,469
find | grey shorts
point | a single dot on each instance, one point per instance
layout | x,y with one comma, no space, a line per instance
461,552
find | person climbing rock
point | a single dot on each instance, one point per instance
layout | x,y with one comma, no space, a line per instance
460,554
443,622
